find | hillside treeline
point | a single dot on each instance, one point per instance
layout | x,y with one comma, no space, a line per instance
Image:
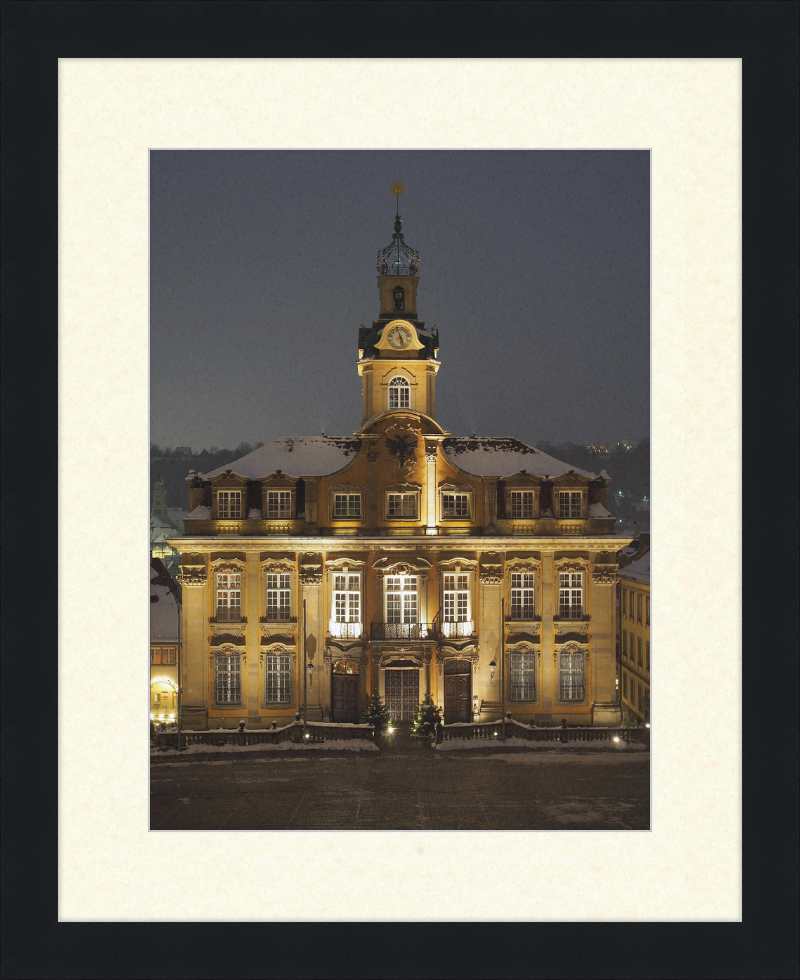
174,468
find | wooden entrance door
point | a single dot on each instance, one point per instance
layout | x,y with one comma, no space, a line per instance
402,693
345,692
456,691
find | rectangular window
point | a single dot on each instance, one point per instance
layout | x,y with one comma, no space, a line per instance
569,503
168,655
625,644
639,649
346,599
638,608
156,697
402,505
522,595
456,599
647,610
229,503
455,505
155,655
624,603
399,393
641,697
571,675
278,596
523,676
625,685
278,678
347,505
647,655
521,503
401,599
279,504
229,597
570,595
228,678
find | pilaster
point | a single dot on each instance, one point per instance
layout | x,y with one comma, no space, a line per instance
548,598
194,660
252,634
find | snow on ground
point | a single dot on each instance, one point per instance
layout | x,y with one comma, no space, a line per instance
345,745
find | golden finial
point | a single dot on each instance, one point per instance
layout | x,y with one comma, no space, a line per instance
397,188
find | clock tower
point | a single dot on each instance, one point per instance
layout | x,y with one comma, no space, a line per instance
397,354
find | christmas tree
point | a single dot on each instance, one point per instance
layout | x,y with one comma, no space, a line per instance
427,717
377,714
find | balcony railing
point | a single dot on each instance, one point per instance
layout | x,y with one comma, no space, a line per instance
571,615
465,628
402,631
228,614
345,631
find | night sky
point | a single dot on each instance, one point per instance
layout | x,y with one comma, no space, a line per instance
534,267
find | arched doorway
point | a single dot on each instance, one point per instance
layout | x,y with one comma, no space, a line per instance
345,691
163,699
456,691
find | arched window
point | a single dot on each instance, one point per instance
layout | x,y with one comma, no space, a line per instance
399,393
398,297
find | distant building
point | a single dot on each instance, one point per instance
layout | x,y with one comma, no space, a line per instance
634,627
626,444
423,560
164,640
601,449
162,527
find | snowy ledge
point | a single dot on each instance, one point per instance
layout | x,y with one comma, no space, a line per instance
334,745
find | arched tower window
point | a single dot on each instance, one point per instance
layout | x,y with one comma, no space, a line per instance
399,298
399,393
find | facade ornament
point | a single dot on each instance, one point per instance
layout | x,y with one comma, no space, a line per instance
228,629
431,452
491,574
234,566
569,564
311,574
192,575
605,574
373,455
401,441
567,626
285,629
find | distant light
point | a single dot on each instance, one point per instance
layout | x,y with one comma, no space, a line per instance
152,715
647,724
391,730
616,738
306,734
495,733
161,716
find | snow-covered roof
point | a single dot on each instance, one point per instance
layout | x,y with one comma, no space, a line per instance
504,456
296,456
163,612
598,510
638,571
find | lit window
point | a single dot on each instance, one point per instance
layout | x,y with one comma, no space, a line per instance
570,595
229,503
347,505
455,505
401,599
569,503
401,505
399,393
571,675
155,655
522,595
523,675
168,655
346,600
456,606
228,678
229,597
278,605
279,504
521,503
278,678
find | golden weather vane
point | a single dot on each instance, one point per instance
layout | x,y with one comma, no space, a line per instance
397,187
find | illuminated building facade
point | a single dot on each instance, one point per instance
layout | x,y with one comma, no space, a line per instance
421,559
634,629
164,642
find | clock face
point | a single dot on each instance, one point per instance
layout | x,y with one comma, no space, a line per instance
399,337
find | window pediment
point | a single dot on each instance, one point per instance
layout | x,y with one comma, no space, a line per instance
451,564
523,481
228,479
230,565
523,564
278,480
569,564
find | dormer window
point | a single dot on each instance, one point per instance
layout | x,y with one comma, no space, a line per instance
569,503
399,393
279,504
229,503
521,502
398,298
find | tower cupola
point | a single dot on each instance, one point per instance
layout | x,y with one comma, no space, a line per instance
397,265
